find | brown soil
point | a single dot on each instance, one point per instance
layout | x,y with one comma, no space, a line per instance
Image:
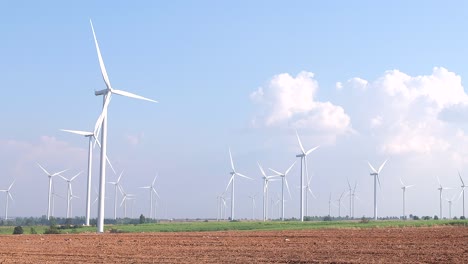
379,245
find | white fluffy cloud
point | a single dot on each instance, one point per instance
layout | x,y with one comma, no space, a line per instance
411,114
289,100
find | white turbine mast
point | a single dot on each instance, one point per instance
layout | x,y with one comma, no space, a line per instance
375,173
7,198
126,197
339,203
441,188
303,156
233,173
462,193
283,181
49,196
106,93
252,197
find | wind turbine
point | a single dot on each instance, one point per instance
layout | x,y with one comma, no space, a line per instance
116,186
339,203
50,175
252,197
125,198
151,190
441,188
8,197
404,187
283,180
69,191
266,180
462,193
303,157
350,199
234,173
54,194
375,173
106,93
90,135
450,202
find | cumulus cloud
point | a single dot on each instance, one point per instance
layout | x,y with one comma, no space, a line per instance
414,114
292,101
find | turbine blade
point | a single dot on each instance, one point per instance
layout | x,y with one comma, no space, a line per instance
279,173
155,177
78,132
242,175
402,182
300,144
311,150
312,193
232,163
110,164
381,166
11,184
59,173
287,187
261,169
11,197
232,177
349,185
463,183
97,126
75,176
44,170
118,179
289,168
131,95
157,194
378,179
101,62
372,168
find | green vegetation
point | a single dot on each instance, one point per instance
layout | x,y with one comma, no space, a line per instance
241,225
18,230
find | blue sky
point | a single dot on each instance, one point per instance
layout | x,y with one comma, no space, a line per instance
365,80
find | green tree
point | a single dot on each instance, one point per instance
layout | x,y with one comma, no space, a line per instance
18,230
142,219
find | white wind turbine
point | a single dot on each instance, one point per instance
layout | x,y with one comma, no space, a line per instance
350,199
234,173
450,202
303,157
119,187
252,197
462,193
49,197
151,191
126,197
339,203
8,197
69,192
54,194
266,180
441,188
107,93
404,187
375,173
91,136
283,181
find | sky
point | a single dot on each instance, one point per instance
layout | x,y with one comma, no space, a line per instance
365,80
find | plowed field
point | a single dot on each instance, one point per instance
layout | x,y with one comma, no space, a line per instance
378,245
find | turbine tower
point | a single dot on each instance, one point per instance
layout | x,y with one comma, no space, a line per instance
376,173
450,202
404,187
303,156
49,196
462,193
151,191
7,198
234,173
307,191
252,197
283,181
106,93
339,203
266,180
69,192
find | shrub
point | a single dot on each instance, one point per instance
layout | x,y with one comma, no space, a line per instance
18,230
364,220
462,217
327,218
142,219
436,217
33,231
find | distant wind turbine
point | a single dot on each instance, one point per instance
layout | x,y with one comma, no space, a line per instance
283,181
126,197
106,93
69,192
252,197
233,173
339,203
462,193
306,194
119,187
266,180
441,188
376,173
303,156
50,175
7,198
450,202
151,191
404,187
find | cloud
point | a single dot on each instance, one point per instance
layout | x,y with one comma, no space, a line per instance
413,114
291,101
